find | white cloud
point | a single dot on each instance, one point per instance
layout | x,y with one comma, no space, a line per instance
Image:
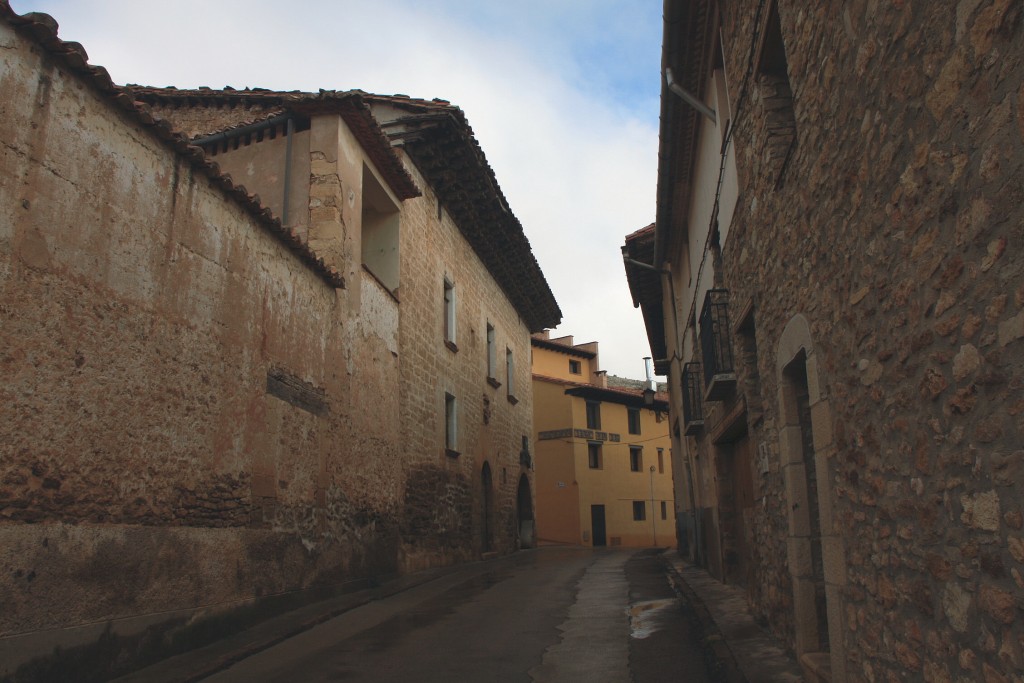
575,156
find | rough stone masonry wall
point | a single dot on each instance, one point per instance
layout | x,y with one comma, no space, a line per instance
174,395
443,499
896,231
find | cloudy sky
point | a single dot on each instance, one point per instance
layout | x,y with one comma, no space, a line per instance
562,95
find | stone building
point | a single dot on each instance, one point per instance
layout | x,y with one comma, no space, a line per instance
603,461
833,287
250,344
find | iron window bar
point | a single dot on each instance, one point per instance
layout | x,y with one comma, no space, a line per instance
693,401
716,346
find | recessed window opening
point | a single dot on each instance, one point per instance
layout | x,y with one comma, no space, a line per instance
634,420
492,353
380,228
639,510
449,311
661,461
636,459
510,372
594,456
574,367
450,423
593,415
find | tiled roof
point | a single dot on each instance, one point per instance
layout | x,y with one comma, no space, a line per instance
625,396
645,287
552,345
203,111
42,28
437,137
630,397
687,47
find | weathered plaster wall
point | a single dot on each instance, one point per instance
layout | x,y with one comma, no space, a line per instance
176,403
895,231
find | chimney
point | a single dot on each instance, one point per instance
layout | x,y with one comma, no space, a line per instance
651,384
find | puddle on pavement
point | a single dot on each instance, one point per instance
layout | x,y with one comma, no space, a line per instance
646,617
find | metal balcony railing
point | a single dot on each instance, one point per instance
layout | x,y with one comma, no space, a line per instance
716,346
693,400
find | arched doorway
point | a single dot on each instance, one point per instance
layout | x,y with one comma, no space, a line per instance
487,509
816,556
524,512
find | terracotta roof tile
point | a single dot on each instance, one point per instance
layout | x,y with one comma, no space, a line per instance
613,394
645,288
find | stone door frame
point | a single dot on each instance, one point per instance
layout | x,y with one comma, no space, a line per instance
796,346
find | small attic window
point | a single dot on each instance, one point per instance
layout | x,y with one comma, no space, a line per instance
380,227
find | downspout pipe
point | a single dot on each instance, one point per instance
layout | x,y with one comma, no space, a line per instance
287,171
687,97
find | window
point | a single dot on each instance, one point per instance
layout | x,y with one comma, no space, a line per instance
634,420
593,415
450,424
664,510
449,314
661,461
492,355
510,373
594,455
574,367
636,459
639,510
380,227
779,120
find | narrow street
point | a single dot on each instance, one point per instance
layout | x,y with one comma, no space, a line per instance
553,614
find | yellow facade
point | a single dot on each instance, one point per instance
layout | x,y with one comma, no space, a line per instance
587,473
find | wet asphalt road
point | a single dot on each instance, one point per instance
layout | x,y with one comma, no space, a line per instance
546,615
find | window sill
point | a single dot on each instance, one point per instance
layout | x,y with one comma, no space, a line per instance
451,453
451,346
512,399
493,382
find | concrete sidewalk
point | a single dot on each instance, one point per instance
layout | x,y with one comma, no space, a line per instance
746,653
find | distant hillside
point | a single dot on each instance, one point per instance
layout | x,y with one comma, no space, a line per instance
617,382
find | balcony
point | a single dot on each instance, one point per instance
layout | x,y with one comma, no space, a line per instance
716,346
693,403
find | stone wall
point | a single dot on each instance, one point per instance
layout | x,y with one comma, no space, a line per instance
893,228
194,416
491,426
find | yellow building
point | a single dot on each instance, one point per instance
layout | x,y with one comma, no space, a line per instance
603,462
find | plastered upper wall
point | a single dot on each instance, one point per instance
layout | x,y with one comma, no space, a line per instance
553,364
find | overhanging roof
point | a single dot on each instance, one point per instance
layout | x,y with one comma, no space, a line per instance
645,288
437,137
562,348
686,49
633,398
